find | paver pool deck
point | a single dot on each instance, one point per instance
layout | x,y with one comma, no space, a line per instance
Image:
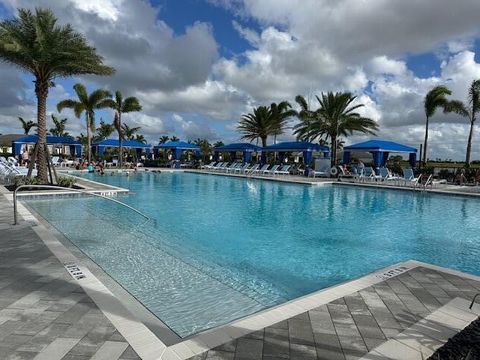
45,313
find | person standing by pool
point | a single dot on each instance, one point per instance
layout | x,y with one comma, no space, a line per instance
25,157
90,168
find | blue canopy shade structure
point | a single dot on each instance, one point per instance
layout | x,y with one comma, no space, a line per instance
306,148
99,148
177,148
246,148
75,146
380,150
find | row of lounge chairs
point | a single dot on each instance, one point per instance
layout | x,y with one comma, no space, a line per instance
247,169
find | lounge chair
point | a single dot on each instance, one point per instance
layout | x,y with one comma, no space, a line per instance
56,161
369,174
219,166
322,168
409,177
253,169
385,175
232,167
271,171
262,169
208,166
242,169
284,170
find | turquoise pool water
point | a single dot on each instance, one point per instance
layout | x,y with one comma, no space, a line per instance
220,248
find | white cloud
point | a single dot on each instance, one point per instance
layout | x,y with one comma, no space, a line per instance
296,47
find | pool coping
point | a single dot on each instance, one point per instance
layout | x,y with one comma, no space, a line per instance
148,345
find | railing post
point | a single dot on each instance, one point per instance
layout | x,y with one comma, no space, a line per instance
15,207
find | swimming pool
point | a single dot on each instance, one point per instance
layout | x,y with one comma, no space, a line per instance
221,248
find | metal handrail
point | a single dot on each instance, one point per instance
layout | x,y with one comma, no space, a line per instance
67,189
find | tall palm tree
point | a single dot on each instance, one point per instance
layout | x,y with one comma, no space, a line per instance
27,125
36,44
468,110
59,127
218,144
104,131
258,125
129,132
86,104
335,117
174,138
121,106
435,98
163,139
281,112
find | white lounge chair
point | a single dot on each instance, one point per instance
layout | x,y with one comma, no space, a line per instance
386,175
272,170
284,170
253,169
242,169
262,169
208,166
232,167
409,177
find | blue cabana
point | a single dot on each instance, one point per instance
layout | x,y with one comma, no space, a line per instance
245,148
75,146
306,148
99,148
380,150
177,148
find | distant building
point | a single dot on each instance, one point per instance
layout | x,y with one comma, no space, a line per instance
6,142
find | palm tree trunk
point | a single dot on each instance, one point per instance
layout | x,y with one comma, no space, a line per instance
120,140
425,143
469,145
333,160
41,91
264,141
89,139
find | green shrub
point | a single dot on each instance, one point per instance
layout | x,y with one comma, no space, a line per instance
66,181
20,180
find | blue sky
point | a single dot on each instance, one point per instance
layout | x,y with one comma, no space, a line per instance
198,65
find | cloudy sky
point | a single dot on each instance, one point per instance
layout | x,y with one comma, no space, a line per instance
197,65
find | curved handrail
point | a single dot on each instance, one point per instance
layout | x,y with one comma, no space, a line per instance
67,189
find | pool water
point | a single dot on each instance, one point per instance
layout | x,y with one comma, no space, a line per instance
220,248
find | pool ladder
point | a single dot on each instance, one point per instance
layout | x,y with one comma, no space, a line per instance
53,187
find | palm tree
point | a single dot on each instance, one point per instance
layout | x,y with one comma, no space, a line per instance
88,104
434,99
36,44
129,132
205,147
468,110
121,105
104,131
335,117
59,127
82,139
163,139
140,138
281,112
258,125
174,138
218,144
27,125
